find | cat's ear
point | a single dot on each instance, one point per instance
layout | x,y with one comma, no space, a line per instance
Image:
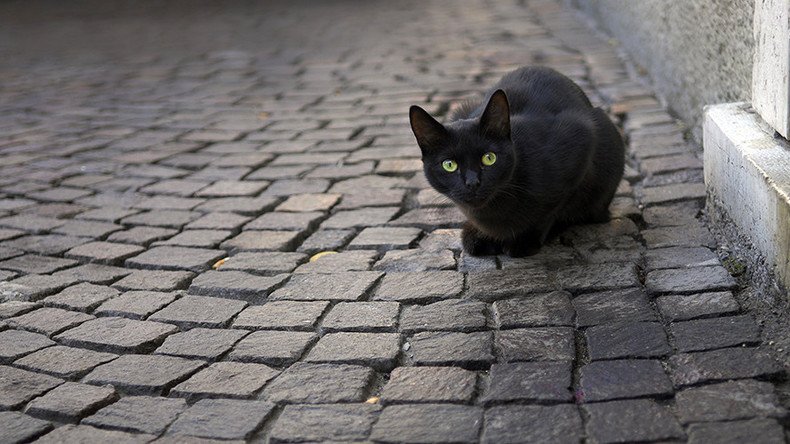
495,121
429,133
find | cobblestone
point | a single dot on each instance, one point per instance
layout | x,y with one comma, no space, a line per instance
530,381
19,386
281,315
377,350
200,343
16,343
64,362
143,374
226,380
316,423
561,423
608,380
306,383
428,423
138,414
70,401
222,419
117,334
275,348
82,297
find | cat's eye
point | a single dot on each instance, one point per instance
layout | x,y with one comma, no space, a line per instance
450,165
489,158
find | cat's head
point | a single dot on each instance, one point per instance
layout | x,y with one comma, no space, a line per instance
467,160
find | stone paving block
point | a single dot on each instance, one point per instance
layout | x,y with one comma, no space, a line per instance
678,214
366,198
281,315
201,343
763,430
64,362
673,193
103,252
199,311
521,423
728,401
225,380
231,188
429,385
48,321
70,401
597,277
46,244
265,264
690,280
141,235
362,316
430,218
416,260
420,287
235,285
263,240
282,172
377,350
320,423
218,221
494,285
385,238
117,334
629,305
16,427
325,240
276,348
247,206
692,235
289,187
82,297
138,414
344,286
108,214
627,340
359,260
550,309
442,238
309,202
83,433
452,314
143,374
680,257
162,218
631,420
6,234
7,253
535,344
31,223
176,258
469,350
86,228
721,365
619,379
35,264
282,221
439,423
222,419
16,343
685,307
363,183
154,280
19,386
136,304
197,238
15,308
706,334
529,381
320,384
33,287
361,218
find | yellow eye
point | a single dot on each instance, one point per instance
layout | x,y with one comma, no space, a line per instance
449,165
489,158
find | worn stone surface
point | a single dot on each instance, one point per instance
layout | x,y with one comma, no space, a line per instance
728,401
357,260
450,314
416,260
606,307
304,383
684,307
633,420
377,350
316,423
16,427
200,343
385,238
720,365
175,258
136,304
345,286
82,297
419,287
222,419
361,316
117,334
64,362
766,430
48,321
199,311
618,379
85,433
428,423
155,280
535,344
530,382
265,263
517,423
19,386
139,414
225,380
143,374
70,401
626,340
272,347
17,343
493,285
707,334
281,315
690,280
429,385
470,350
551,309
235,285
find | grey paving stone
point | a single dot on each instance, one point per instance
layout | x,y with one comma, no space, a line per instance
197,238
728,401
222,419
48,321
138,414
596,277
754,430
45,244
155,280
551,309
722,364
683,213
143,374
262,240
429,385
176,258
16,308
108,253
33,287
690,280
442,238
318,423
84,434
680,257
521,423
199,311
142,235
343,286
362,316
420,287
31,223
685,307
16,343
385,238
35,264
82,297
619,379
631,420
136,304
218,221
440,423
673,193
284,221
364,183
235,285
607,307
320,384
289,187
371,198
264,264
85,228
494,285
231,188
247,206
451,314
627,340
416,260
70,401
469,350
225,380
276,348
692,235
64,362
19,386
333,262
281,315
325,240
377,350
529,381
341,171
365,217
117,334
430,218
476,264
706,334
201,343
535,344
16,427
309,202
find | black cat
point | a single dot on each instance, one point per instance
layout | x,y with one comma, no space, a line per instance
536,158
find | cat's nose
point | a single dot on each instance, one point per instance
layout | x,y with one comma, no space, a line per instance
472,181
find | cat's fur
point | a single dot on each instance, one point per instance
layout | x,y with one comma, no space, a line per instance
559,161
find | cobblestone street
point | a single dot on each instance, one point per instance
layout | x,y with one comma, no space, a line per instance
172,184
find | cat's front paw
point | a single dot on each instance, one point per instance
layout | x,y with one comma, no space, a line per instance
476,245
